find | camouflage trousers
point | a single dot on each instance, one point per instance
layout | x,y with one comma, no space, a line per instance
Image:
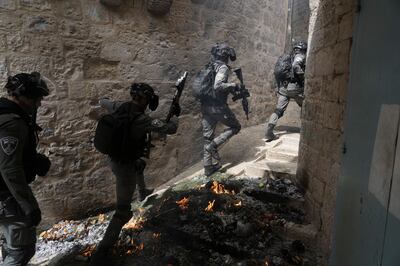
212,115
19,237
284,96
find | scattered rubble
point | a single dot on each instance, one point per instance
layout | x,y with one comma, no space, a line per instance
225,221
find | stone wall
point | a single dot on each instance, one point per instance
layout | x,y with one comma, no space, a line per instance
300,18
87,51
327,74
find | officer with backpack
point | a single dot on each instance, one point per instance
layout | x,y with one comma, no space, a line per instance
19,165
289,75
212,88
130,143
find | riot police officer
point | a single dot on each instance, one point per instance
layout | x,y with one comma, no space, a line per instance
292,88
126,169
19,165
216,110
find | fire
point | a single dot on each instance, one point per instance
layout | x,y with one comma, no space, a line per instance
238,204
101,218
220,189
183,203
156,235
135,223
210,206
135,249
88,251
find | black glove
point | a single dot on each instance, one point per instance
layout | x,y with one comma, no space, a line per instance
176,109
42,164
34,217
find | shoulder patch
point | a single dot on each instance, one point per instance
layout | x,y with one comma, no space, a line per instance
9,144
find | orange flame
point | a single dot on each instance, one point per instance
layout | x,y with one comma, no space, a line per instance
101,218
210,206
183,203
135,223
220,189
238,204
135,249
156,235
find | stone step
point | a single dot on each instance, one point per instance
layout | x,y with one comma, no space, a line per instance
282,153
270,168
291,141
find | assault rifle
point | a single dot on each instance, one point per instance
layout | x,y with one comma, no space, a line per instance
242,93
180,85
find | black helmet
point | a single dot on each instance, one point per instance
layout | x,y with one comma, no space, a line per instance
145,90
300,45
29,85
222,51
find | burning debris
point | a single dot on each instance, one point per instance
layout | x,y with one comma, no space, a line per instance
228,222
210,207
183,203
218,188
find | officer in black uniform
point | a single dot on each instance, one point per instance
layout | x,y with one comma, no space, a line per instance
19,165
127,170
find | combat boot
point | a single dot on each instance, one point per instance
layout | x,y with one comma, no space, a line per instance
269,135
143,193
213,150
211,169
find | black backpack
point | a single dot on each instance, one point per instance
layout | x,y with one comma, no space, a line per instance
283,69
113,136
203,83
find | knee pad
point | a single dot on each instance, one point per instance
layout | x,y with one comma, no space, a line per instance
279,112
123,213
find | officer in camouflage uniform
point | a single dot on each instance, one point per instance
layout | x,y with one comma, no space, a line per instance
217,109
127,170
19,165
290,89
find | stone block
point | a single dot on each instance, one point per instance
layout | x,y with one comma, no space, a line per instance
9,21
81,49
97,68
79,90
317,189
323,61
3,43
18,42
40,24
346,27
8,4
45,45
4,72
35,4
342,57
71,9
115,51
23,63
74,29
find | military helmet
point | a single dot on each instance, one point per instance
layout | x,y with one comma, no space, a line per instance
300,45
29,85
145,90
222,51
